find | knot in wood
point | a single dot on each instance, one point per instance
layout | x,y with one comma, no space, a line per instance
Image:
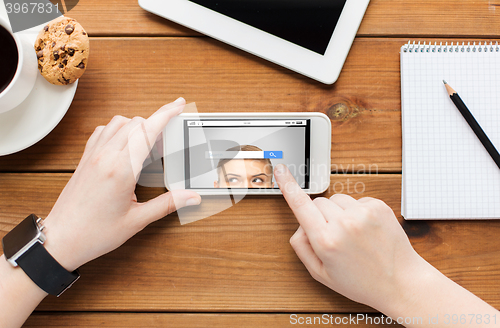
338,112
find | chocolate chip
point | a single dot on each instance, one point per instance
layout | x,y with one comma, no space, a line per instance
71,51
39,54
56,55
81,65
53,44
41,60
63,55
63,47
65,62
69,29
84,33
46,28
61,66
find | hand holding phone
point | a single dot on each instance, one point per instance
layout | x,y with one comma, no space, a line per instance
98,210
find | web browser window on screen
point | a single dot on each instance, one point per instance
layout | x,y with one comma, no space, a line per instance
242,153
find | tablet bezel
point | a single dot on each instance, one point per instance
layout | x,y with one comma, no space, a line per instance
324,68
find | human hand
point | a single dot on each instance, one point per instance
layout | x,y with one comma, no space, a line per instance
98,210
355,247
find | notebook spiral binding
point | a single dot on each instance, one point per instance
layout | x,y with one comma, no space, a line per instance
418,47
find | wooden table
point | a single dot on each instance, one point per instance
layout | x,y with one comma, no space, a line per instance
236,269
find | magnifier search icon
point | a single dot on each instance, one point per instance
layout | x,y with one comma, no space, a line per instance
278,154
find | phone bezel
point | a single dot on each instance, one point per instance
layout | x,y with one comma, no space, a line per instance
320,151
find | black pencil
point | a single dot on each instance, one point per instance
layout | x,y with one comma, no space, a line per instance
473,124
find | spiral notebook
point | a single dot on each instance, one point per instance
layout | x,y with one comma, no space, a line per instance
447,173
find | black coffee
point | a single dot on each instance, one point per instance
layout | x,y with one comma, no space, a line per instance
9,58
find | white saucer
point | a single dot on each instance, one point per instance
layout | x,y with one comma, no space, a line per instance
36,116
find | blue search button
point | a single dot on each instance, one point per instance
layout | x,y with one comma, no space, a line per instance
273,154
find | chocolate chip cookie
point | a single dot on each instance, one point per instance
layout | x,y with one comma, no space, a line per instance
62,49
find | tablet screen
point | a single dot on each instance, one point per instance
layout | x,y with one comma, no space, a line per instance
242,153
307,23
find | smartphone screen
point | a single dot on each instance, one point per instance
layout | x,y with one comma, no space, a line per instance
242,153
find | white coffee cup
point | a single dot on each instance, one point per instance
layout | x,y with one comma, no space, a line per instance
27,69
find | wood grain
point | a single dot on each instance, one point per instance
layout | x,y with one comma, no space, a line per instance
135,76
444,18
162,320
239,262
233,261
364,104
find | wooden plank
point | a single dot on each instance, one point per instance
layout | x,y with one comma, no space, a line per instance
123,18
135,76
237,262
430,18
364,104
178,320
466,18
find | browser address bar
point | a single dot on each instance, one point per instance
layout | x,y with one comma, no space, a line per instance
244,154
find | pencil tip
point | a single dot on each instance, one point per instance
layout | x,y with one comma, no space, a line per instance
449,89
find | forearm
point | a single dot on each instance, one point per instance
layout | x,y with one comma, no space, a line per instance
19,295
427,298
97,211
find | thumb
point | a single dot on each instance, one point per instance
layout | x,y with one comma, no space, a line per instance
302,247
167,203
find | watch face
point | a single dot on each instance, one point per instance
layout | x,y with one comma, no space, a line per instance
21,235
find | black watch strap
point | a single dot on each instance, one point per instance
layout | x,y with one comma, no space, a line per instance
45,271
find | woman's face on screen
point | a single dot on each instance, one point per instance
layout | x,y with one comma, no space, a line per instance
245,173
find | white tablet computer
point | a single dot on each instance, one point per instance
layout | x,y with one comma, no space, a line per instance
311,37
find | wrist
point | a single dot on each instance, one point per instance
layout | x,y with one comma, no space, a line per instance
24,247
409,287
425,293
19,295
11,277
59,246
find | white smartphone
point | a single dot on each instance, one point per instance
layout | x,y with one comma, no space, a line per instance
235,153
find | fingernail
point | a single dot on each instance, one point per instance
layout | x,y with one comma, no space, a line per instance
280,169
179,101
193,201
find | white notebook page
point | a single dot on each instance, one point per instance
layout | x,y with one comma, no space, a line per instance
447,172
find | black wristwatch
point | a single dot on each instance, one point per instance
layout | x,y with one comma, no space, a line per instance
23,246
